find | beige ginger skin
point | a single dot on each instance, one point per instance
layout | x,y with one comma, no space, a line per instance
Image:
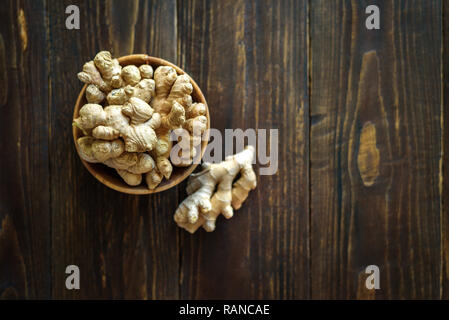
202,207
130,114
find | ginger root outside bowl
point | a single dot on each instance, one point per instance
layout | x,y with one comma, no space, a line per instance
109,176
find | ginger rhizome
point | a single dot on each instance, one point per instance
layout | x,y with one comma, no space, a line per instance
130,116
213,191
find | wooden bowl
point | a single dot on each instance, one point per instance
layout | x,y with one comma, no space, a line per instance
109,176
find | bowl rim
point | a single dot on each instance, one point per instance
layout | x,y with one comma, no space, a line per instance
139,59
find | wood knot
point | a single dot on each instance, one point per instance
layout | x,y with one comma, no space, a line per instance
23,29
368,156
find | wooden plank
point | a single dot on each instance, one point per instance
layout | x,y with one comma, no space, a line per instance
250,59
375,148
125,246
445,160
24,173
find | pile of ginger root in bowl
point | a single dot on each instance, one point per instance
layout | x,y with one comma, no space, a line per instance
136,114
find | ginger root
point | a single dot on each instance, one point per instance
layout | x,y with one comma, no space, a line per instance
203,206
85,149
94,94
104,150
130,115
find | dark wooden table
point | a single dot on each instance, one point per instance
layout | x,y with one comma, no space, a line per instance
362,151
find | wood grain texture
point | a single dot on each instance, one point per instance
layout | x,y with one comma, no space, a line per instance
444,177
24,174
125,246
369,105
250,60
388,79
